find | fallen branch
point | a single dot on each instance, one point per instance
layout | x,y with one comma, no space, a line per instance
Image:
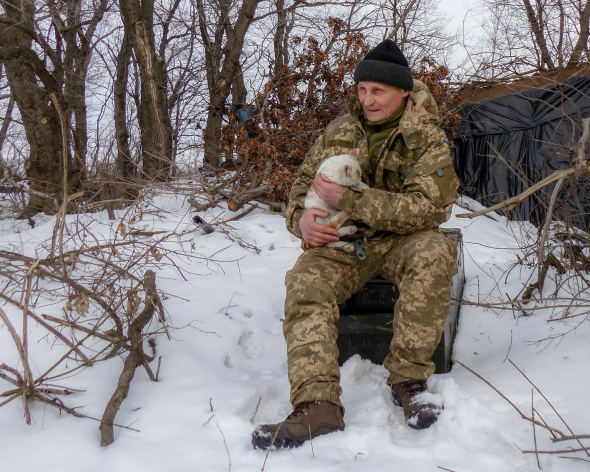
577,439
133,360
512,202
238,201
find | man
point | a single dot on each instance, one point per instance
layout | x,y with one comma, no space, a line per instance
405,161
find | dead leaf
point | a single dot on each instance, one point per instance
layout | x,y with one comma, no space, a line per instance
122,229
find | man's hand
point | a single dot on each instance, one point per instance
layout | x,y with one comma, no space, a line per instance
327,190
314,233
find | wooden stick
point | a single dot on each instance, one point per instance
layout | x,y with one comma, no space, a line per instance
552,407
134,359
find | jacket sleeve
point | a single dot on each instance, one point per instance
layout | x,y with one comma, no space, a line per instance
305,176
424,201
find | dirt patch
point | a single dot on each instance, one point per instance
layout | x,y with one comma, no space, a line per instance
493,89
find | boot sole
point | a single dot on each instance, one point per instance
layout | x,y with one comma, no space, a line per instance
265,441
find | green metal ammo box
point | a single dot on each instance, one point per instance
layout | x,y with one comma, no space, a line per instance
365,326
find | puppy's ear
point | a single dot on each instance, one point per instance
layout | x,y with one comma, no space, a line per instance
348,171
354,152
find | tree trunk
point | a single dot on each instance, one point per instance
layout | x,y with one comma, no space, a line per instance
536,27
40,119
280,36
153,115
125,165
42,85
582,42
222,63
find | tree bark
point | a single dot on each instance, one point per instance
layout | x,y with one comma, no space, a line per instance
40,119
125,165
280,36
539,36
153,114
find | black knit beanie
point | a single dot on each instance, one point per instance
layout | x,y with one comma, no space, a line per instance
385,64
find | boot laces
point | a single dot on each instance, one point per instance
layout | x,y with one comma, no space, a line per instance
414,387
300,409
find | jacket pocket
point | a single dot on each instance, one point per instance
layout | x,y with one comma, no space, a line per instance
392,174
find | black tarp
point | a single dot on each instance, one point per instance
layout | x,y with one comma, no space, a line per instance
506,144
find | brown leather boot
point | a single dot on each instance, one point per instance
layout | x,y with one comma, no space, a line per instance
308,420
419,413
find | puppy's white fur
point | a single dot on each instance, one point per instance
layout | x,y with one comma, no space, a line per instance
343,169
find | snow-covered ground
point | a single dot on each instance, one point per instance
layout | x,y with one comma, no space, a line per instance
224,304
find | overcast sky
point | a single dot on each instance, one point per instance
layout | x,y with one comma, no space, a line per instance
458,11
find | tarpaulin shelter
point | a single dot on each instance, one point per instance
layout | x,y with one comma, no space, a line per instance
506,144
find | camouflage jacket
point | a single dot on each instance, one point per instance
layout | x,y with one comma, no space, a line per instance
414,184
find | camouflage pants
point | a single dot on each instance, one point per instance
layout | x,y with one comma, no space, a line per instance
421,265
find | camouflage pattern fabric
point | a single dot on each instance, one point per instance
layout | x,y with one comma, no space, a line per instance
414,184
421,264
412,192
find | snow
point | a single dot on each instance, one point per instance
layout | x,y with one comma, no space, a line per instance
223,299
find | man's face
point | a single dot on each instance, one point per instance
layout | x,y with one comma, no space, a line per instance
380,101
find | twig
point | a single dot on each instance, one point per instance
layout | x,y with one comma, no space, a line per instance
157,376
224,442
60,336
24,360
523,416
549,217
552,407
563,451
509,347
534,429
85,291
270,447
255,410
569,438
61,214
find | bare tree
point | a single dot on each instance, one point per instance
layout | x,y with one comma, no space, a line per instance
153,113
223,40
521,36
46,48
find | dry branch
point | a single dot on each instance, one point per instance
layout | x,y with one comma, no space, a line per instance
512,202
238,201
523,416
134,359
